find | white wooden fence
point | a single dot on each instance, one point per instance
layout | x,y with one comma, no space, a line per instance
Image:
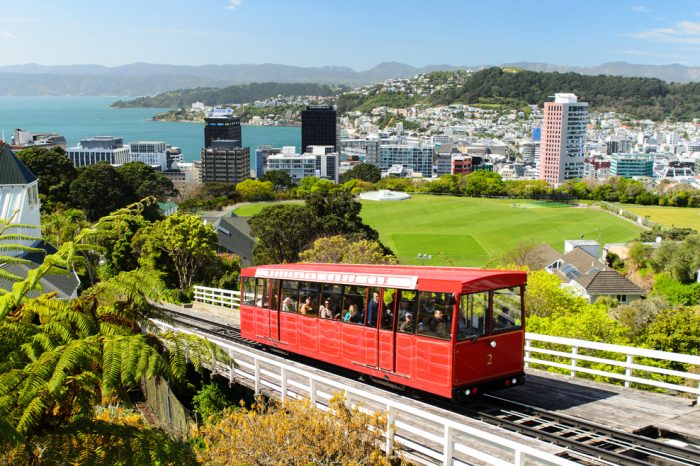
630,362
435,439
218,297
632,369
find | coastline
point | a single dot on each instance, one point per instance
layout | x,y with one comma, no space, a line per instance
202,121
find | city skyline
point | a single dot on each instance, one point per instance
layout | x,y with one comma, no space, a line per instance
358,35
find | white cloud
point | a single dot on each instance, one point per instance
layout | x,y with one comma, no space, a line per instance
640,9
6,34
232,4
684,32
645,53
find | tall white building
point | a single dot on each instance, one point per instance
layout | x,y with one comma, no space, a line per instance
99,149
563,139
151,153
416,157
327,162
298,166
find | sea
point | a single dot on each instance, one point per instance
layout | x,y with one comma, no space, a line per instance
83,117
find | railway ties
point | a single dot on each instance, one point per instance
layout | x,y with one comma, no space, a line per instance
610,445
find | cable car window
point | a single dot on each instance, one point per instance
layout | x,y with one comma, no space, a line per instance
372,307
435,314
354,304
408,301
308,298
249,291
274,294
261,292
471,318
507,309
290,296
332,295
388,305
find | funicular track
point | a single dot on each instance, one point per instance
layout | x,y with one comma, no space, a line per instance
588,443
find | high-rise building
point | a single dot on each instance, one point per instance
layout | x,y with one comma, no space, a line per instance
632,165
222,124
318,127
416,157
327,162
297,165
151,153
225,162
563,139
99,149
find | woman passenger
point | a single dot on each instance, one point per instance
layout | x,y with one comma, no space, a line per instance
325,310
306,308
352,315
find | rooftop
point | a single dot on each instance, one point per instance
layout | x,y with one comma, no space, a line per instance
12,170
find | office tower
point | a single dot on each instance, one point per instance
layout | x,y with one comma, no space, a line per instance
563,139
327,162
99,149
416,157
225,162
318,127
221,124
151,153
299,166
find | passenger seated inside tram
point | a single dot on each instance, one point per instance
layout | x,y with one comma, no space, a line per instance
306,308
407,326
324,310
403,309
352,315
438,324
287,305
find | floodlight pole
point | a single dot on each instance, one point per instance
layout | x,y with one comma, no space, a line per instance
423,257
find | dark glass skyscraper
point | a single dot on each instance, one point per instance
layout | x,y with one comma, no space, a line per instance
318,127
221,124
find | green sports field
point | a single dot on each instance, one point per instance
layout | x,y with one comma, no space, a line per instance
668,216
469,231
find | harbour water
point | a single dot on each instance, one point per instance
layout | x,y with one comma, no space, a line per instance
78,118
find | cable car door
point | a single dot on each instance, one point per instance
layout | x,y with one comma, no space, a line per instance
386,343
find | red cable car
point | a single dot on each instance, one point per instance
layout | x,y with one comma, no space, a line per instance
444,330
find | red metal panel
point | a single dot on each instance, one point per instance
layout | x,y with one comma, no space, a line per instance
262,322
386,350
289,329
329,340
274,319
405,354
353,344
433,361
308,333
371,343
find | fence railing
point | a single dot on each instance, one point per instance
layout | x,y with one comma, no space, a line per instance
618,210
627,364
218,297
436,439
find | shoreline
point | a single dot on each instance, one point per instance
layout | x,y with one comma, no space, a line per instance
202,121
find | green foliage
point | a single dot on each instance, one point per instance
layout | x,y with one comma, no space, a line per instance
54,171
640,254
255,190
230,95
210,402
363,171
676,330
280,179
312,185
484,183
98,190
145,181
546,299
680,259
184,241
340,250
282,231
638,314
676,292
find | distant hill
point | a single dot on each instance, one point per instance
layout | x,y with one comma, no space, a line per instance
149,79
238,94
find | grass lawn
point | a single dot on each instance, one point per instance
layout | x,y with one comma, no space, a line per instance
251,209
468,231
668,216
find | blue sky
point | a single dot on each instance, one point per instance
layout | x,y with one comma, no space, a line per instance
356,33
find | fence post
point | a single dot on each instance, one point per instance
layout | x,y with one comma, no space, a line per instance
283,375
389,435
449,446
574,360
628,370
257,377
528,345
312,390
230,368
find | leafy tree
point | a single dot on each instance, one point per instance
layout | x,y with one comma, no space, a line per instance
210,402
363,171
255,190
676,292
282,231
341,435
524,254
185,241
484,183
340,250
676,330
280,179
638,314
338,213
63,226
312,185
640,255
545,297
54,171
145,181
98,190
590,322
